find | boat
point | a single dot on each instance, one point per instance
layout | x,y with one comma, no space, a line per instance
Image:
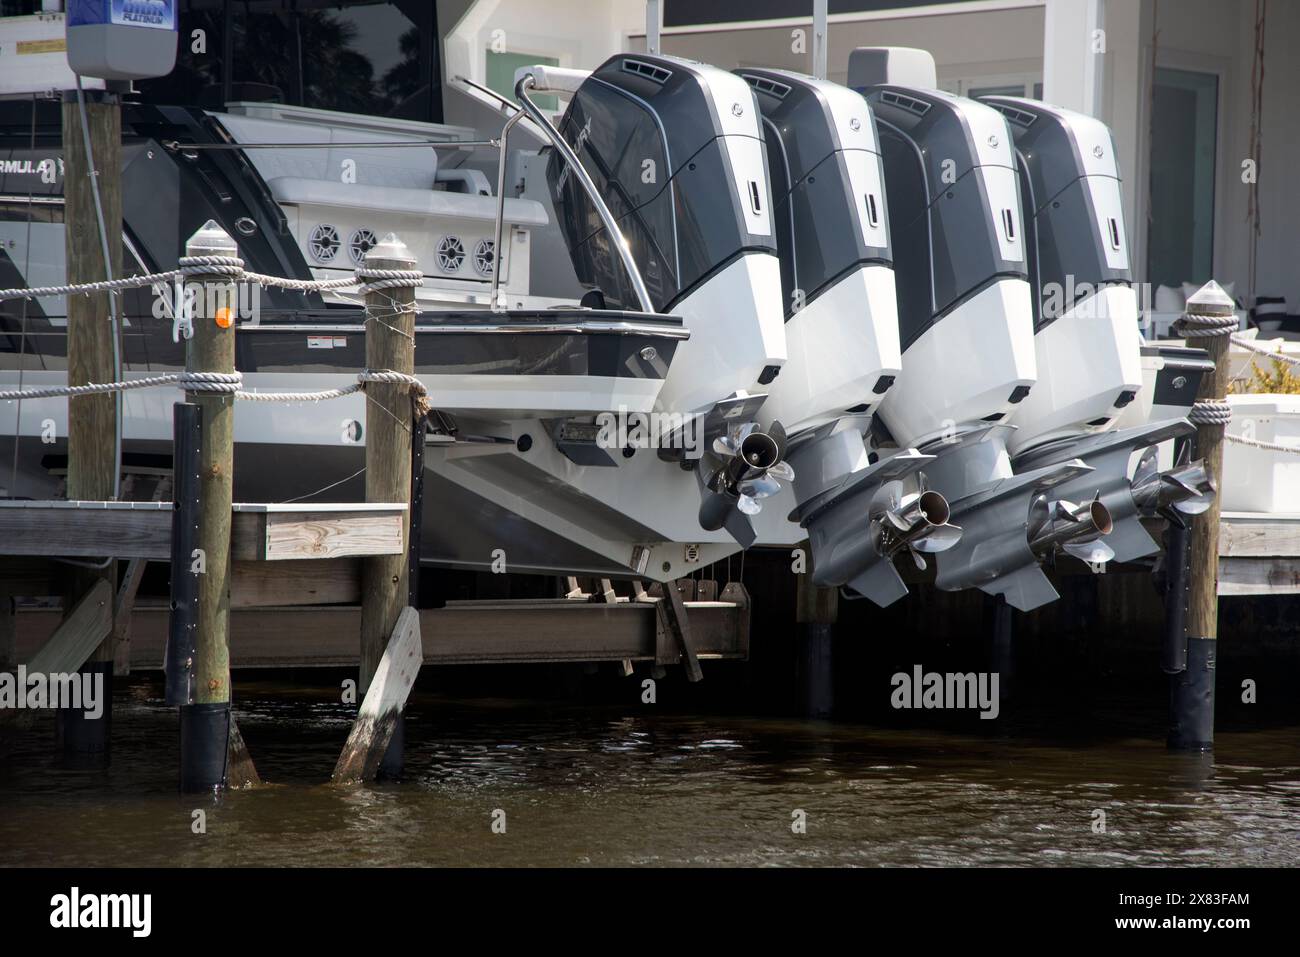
291,216
778,284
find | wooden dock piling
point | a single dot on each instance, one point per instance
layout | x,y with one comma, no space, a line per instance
1192,692
92,419
389,429
816,611
205,724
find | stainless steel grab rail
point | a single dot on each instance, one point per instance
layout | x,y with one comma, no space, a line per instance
576,168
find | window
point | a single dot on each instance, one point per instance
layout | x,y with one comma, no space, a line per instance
32,254
372,58
1029,85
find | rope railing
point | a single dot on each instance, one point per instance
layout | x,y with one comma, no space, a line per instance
1252,346
232,269
223,384
1261,444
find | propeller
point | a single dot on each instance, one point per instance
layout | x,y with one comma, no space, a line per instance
1184,490
1077,529
752,468
915,522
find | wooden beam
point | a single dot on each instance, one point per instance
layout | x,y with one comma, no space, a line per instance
385,698
85,529
610,597
1259,576
81,632
476,632
735,596
680,626
240,771
279,533
8,633
1258,536
124,605
143,530
330,581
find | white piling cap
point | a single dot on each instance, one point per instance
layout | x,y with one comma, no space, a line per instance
1211,300
211,236
390,247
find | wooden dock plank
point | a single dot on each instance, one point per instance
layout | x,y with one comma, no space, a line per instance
1259,576
143,530
326,535
136,530
1250,535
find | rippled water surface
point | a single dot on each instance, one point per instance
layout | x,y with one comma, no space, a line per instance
584,785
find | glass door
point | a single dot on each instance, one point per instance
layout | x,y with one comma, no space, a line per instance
1184,139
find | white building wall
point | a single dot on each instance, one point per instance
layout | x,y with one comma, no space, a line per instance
998,40
985,42
580,34
1218,36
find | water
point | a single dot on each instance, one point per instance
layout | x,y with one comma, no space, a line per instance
594,785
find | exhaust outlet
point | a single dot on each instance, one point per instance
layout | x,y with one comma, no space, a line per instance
913,523
758,452
1077,529
752,469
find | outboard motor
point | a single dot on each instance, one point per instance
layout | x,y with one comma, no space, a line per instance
676,150
1086,335
965,321
841,315
837,272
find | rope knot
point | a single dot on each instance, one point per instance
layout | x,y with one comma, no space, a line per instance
220,383
419,394
370,279
231,266
1210,412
